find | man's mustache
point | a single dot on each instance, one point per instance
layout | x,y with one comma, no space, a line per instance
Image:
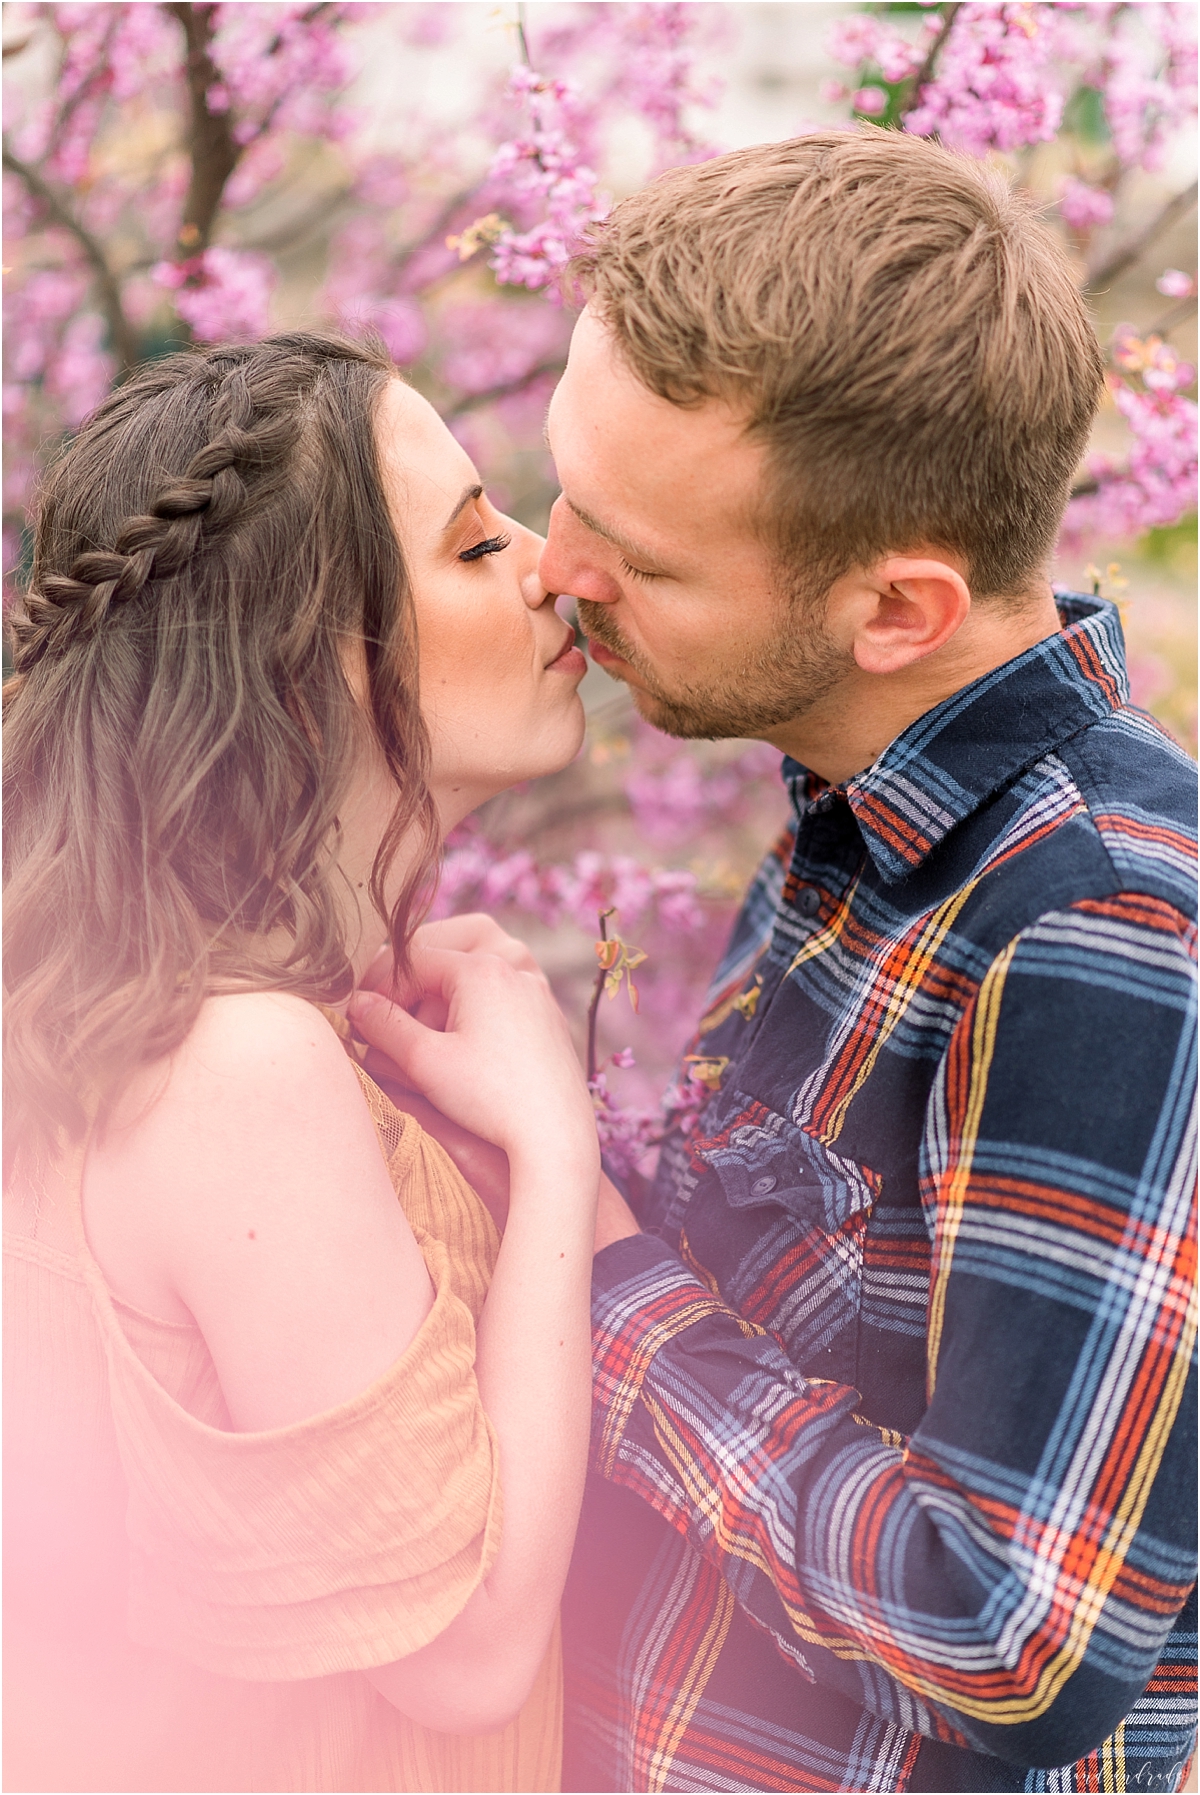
596,624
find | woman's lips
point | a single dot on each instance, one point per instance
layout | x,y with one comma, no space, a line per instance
569,659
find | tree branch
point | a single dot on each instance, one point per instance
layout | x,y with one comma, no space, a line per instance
1176,207
925,72
214,153
54,204
1162,326
473,401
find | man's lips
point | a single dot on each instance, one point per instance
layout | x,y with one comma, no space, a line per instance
604,655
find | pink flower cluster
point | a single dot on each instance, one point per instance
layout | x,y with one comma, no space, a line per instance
477,875
641,60
1146,70
541,172
1084,208
995,86
627,1135
224,294
1156,483
862,38
111,54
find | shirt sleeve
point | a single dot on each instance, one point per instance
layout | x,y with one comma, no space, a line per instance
338,1543
1006,1577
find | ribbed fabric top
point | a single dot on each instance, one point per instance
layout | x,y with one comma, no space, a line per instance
188,1607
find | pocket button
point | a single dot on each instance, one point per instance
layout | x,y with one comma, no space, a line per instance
808,902
762,1186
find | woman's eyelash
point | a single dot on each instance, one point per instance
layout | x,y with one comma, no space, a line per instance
492,546
638,573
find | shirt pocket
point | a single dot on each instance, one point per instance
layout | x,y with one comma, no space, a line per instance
802,1275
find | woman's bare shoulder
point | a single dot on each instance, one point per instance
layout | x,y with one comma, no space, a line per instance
256,1129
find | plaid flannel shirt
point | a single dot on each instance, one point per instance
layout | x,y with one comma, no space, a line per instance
894,1432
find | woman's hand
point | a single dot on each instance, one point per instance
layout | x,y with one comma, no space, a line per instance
504,1037
475,933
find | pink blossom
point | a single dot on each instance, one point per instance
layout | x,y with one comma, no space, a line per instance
1084,207
1176,284
871,100
626,1135
541,171
1155,485
223,294
897,58
852,41
995,86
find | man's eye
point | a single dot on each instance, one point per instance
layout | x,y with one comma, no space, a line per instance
638,573
492,546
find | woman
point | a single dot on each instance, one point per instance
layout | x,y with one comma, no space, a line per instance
293,1468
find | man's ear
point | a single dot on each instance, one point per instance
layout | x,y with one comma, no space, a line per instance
907,607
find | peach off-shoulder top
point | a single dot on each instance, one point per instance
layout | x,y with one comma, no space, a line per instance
192,1608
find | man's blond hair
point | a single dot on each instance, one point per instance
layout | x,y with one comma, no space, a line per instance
905,336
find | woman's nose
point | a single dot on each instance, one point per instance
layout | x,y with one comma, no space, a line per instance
529,546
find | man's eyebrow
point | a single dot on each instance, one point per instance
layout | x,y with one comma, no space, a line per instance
469,495
635,551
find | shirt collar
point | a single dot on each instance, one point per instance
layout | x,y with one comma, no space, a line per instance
951,760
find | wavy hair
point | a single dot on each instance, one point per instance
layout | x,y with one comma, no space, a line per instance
180,729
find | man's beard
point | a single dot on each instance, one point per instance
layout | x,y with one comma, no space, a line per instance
769,686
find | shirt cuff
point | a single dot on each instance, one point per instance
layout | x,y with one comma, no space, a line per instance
643,1296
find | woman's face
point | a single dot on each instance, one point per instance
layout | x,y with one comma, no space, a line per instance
499,671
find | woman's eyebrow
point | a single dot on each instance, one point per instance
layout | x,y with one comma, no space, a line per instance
469,495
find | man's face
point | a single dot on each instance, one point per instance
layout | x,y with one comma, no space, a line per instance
653,535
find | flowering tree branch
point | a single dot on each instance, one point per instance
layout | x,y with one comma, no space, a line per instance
1130,252
926,70
108,290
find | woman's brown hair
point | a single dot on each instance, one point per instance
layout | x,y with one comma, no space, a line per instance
180,730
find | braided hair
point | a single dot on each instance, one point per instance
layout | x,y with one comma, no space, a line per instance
180,729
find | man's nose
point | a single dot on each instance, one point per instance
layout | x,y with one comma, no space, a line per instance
567,566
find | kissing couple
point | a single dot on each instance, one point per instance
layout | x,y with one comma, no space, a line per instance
360,1435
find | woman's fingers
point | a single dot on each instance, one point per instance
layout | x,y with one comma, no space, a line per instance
478,933
390,1030
471,934
504,1035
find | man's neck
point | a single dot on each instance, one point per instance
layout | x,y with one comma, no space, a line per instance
847,729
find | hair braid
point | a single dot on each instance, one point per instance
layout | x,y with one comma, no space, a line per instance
208,497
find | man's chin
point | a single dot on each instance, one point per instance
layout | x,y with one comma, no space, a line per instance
682,720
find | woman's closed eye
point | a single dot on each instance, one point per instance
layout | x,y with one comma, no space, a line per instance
492,546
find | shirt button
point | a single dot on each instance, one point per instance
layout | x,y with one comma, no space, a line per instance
761,1186
808,901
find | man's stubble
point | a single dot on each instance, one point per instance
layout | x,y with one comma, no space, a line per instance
775,683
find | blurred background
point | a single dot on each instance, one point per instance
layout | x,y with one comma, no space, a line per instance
179,173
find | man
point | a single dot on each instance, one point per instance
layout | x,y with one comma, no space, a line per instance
894,1439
